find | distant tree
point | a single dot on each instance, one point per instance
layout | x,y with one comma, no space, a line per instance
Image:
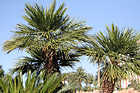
89,82
134,85
80,77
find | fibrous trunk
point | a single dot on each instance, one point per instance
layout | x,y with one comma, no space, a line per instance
50,59
51,63
107,86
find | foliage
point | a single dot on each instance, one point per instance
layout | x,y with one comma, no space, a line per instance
79,78
134,84
118,54
36,62
52,33
32,84
49,29
1,74
118,51
1,71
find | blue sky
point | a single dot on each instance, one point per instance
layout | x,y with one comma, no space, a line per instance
97,13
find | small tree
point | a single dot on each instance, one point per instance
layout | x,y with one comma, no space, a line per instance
80,77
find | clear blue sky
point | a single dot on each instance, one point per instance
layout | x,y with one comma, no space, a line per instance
97,13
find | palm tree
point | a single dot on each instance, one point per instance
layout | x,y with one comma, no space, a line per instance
95,56
118,51
78,77
134,85
50,31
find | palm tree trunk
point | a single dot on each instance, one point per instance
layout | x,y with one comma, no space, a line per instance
126,82
120,84
50,59
98,74
107,86
80,84
138,78
51,64
132,78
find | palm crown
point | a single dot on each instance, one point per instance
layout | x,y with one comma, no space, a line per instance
120,49
50,29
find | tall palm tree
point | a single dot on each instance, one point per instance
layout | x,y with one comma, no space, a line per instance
119,50
95,56
49,30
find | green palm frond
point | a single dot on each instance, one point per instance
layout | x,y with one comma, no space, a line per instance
36,61
49,28
1,71
32,84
